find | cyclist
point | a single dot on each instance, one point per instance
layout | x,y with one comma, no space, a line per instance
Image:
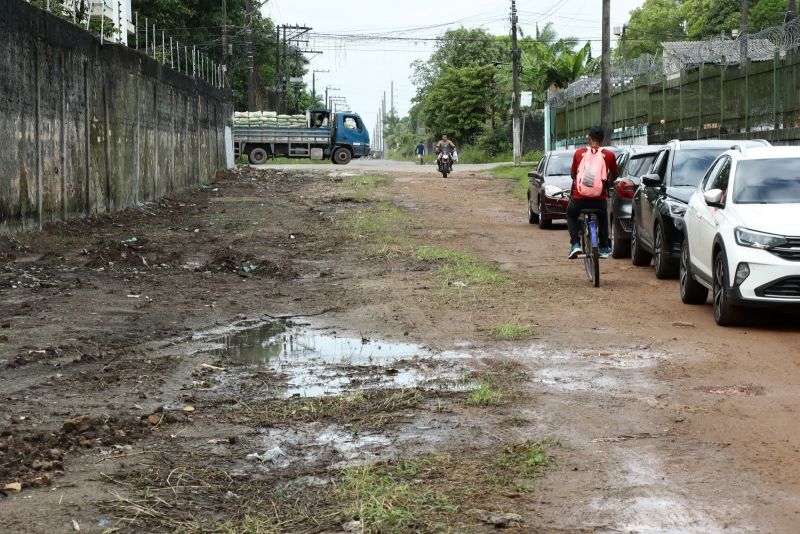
594,200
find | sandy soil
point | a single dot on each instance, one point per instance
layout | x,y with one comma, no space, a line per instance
657,419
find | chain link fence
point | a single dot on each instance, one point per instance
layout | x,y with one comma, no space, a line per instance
694,90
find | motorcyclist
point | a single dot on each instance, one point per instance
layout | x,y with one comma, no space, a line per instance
444,144
578,202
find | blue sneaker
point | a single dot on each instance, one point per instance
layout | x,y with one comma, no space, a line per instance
605,251
575,251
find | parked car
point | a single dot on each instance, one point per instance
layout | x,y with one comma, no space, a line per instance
659,202
633,162
550,187
743,233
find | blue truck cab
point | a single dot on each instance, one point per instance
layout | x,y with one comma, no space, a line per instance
349,135
340,136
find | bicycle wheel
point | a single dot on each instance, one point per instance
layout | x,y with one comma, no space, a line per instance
591,259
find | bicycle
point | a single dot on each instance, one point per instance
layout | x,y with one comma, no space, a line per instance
590,243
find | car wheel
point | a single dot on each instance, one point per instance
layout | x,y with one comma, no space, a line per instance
664,267
620,243
725,313
639,257
258,156
692,292
533,218
544,224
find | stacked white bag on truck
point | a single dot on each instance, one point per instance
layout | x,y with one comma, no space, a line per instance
267,119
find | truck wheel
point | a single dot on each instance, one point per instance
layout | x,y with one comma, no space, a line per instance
258,156
341,156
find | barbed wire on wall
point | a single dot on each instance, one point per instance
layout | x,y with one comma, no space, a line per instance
680,56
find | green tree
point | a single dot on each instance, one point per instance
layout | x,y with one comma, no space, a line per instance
457,49
199,23
652,23
456,102
767,13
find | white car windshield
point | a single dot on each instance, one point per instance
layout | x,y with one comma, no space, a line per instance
768,181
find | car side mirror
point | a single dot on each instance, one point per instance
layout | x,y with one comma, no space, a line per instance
713,198
651,180
534,175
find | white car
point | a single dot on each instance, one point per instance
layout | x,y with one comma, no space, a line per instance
742,230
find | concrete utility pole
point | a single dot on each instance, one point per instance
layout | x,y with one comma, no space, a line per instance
391,108
314,83
791,10
743,30
605,75
224,32
515,57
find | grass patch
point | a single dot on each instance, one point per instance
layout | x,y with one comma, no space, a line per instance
458,268
391,499
371,409
382,223
188,494
526,459
487,393
511,332
519,175
361,188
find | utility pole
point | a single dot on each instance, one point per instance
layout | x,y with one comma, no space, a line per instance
251,79
605,75
515,57
277,68
791,10
743,30
224,33
391,102
314,83
383,121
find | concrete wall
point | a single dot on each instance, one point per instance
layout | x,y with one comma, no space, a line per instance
91,129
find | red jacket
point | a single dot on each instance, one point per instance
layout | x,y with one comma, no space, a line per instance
611,164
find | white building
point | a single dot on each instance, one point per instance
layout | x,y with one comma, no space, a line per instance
116,14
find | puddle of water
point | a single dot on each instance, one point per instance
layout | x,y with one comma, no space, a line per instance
317,363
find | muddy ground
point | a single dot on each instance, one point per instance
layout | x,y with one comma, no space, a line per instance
376,350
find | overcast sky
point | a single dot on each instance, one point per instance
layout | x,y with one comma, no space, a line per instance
363,70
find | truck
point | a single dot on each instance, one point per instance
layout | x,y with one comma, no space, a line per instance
322,134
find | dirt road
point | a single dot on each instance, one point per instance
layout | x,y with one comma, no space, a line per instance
276,352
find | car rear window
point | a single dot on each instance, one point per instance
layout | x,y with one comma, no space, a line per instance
639,165
692,164
559,165
768,181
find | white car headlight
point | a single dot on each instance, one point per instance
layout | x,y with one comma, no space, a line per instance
552,191
750,238
676,209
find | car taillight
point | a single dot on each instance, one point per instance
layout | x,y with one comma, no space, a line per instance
625,188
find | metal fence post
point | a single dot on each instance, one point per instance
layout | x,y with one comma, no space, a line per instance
171,60
146,37
700,100
163,48
775,59
722,98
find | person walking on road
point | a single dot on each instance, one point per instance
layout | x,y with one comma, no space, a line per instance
420,150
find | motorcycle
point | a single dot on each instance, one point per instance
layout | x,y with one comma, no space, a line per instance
445,162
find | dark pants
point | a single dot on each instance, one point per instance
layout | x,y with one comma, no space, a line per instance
573,212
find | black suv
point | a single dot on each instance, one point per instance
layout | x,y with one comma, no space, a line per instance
660,200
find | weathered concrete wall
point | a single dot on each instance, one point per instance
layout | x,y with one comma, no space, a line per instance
91,129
